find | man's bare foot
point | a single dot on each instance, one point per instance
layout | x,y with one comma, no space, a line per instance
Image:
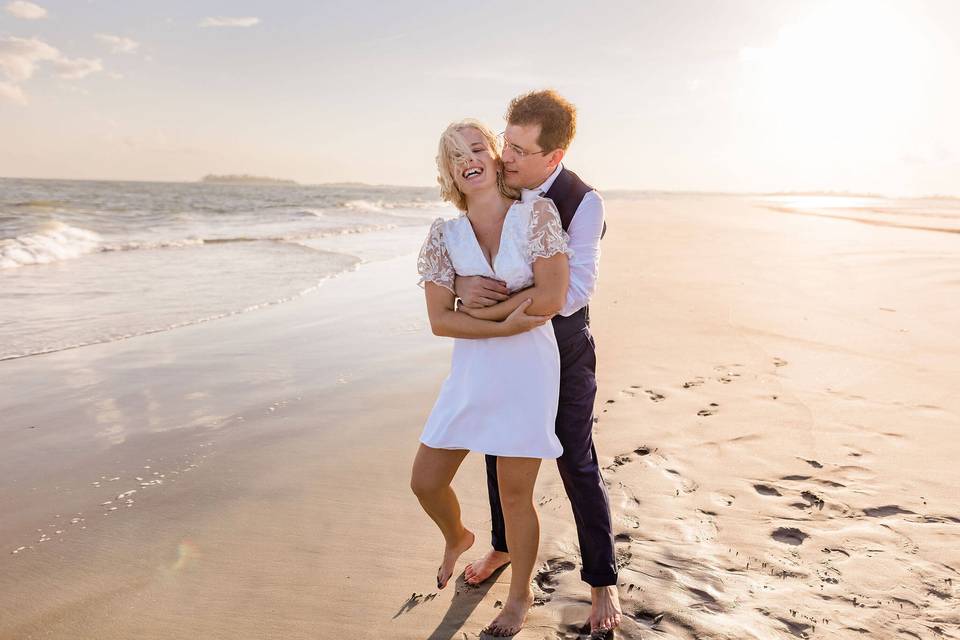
450,555
605,614
511,619
479,570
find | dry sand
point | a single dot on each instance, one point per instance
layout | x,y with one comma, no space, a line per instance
777,419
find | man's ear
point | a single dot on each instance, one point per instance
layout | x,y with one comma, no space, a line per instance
555,157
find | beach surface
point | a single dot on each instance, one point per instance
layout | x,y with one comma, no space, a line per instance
777,420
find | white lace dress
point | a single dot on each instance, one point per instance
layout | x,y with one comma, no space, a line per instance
501,395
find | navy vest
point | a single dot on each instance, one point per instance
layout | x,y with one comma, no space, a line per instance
567,192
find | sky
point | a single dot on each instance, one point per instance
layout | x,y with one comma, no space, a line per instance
701,95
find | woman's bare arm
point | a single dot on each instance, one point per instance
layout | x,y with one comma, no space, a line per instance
446,321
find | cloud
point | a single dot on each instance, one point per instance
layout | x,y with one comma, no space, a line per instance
26,10
20,57
118,44
229,22
12,93
76,68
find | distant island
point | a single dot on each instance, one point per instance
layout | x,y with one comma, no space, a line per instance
243,179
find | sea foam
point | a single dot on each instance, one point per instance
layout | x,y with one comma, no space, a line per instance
54,241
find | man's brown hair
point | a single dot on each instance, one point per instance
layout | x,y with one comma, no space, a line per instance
556,116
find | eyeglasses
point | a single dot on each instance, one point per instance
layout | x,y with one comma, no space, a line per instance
521,153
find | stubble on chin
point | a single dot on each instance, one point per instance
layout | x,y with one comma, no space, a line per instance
513,184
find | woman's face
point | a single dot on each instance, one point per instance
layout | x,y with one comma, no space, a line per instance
479,171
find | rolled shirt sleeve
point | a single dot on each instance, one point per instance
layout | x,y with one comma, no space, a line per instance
584,231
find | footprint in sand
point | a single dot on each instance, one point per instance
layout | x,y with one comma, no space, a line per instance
813,500
630,520
766,490
722,499
705,601
727,374
789,535
886,510
546,578
649,619
828,574
696,382
685,485
779,362
654,396
618,461
940,519
633,391
799,629
708,412
623,458
726,367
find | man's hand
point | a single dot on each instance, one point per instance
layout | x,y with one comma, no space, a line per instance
476,292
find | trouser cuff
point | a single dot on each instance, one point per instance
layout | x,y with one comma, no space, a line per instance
599,579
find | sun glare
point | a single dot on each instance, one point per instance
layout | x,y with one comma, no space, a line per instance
851,74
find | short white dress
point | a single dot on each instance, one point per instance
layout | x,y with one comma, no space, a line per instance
501,395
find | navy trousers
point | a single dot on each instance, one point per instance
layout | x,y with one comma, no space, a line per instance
578,465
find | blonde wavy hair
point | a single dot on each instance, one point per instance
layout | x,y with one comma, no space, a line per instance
453,151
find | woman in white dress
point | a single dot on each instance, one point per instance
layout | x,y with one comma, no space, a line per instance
502,392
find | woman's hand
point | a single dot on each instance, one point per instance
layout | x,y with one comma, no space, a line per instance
473,312
519,322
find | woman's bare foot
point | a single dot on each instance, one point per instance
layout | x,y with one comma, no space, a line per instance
481,569
605,613
450,556
511,619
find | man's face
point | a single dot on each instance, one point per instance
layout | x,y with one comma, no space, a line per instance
525,166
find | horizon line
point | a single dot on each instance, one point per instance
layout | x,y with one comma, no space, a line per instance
790,192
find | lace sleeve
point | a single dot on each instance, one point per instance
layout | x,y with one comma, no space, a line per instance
547,237
434,262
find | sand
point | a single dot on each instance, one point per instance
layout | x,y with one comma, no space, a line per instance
777,422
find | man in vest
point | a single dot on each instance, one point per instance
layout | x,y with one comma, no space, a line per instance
540,127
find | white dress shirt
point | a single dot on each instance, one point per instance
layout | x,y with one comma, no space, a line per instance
584,232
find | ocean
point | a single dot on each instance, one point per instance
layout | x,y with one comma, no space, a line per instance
87,262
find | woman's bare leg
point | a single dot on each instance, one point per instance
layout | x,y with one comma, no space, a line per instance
517,477
433,471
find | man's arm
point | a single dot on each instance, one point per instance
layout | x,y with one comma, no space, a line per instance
584,231
476,292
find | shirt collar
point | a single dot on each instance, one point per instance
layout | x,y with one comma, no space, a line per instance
529,194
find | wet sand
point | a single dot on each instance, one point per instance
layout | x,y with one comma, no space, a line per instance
777,421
